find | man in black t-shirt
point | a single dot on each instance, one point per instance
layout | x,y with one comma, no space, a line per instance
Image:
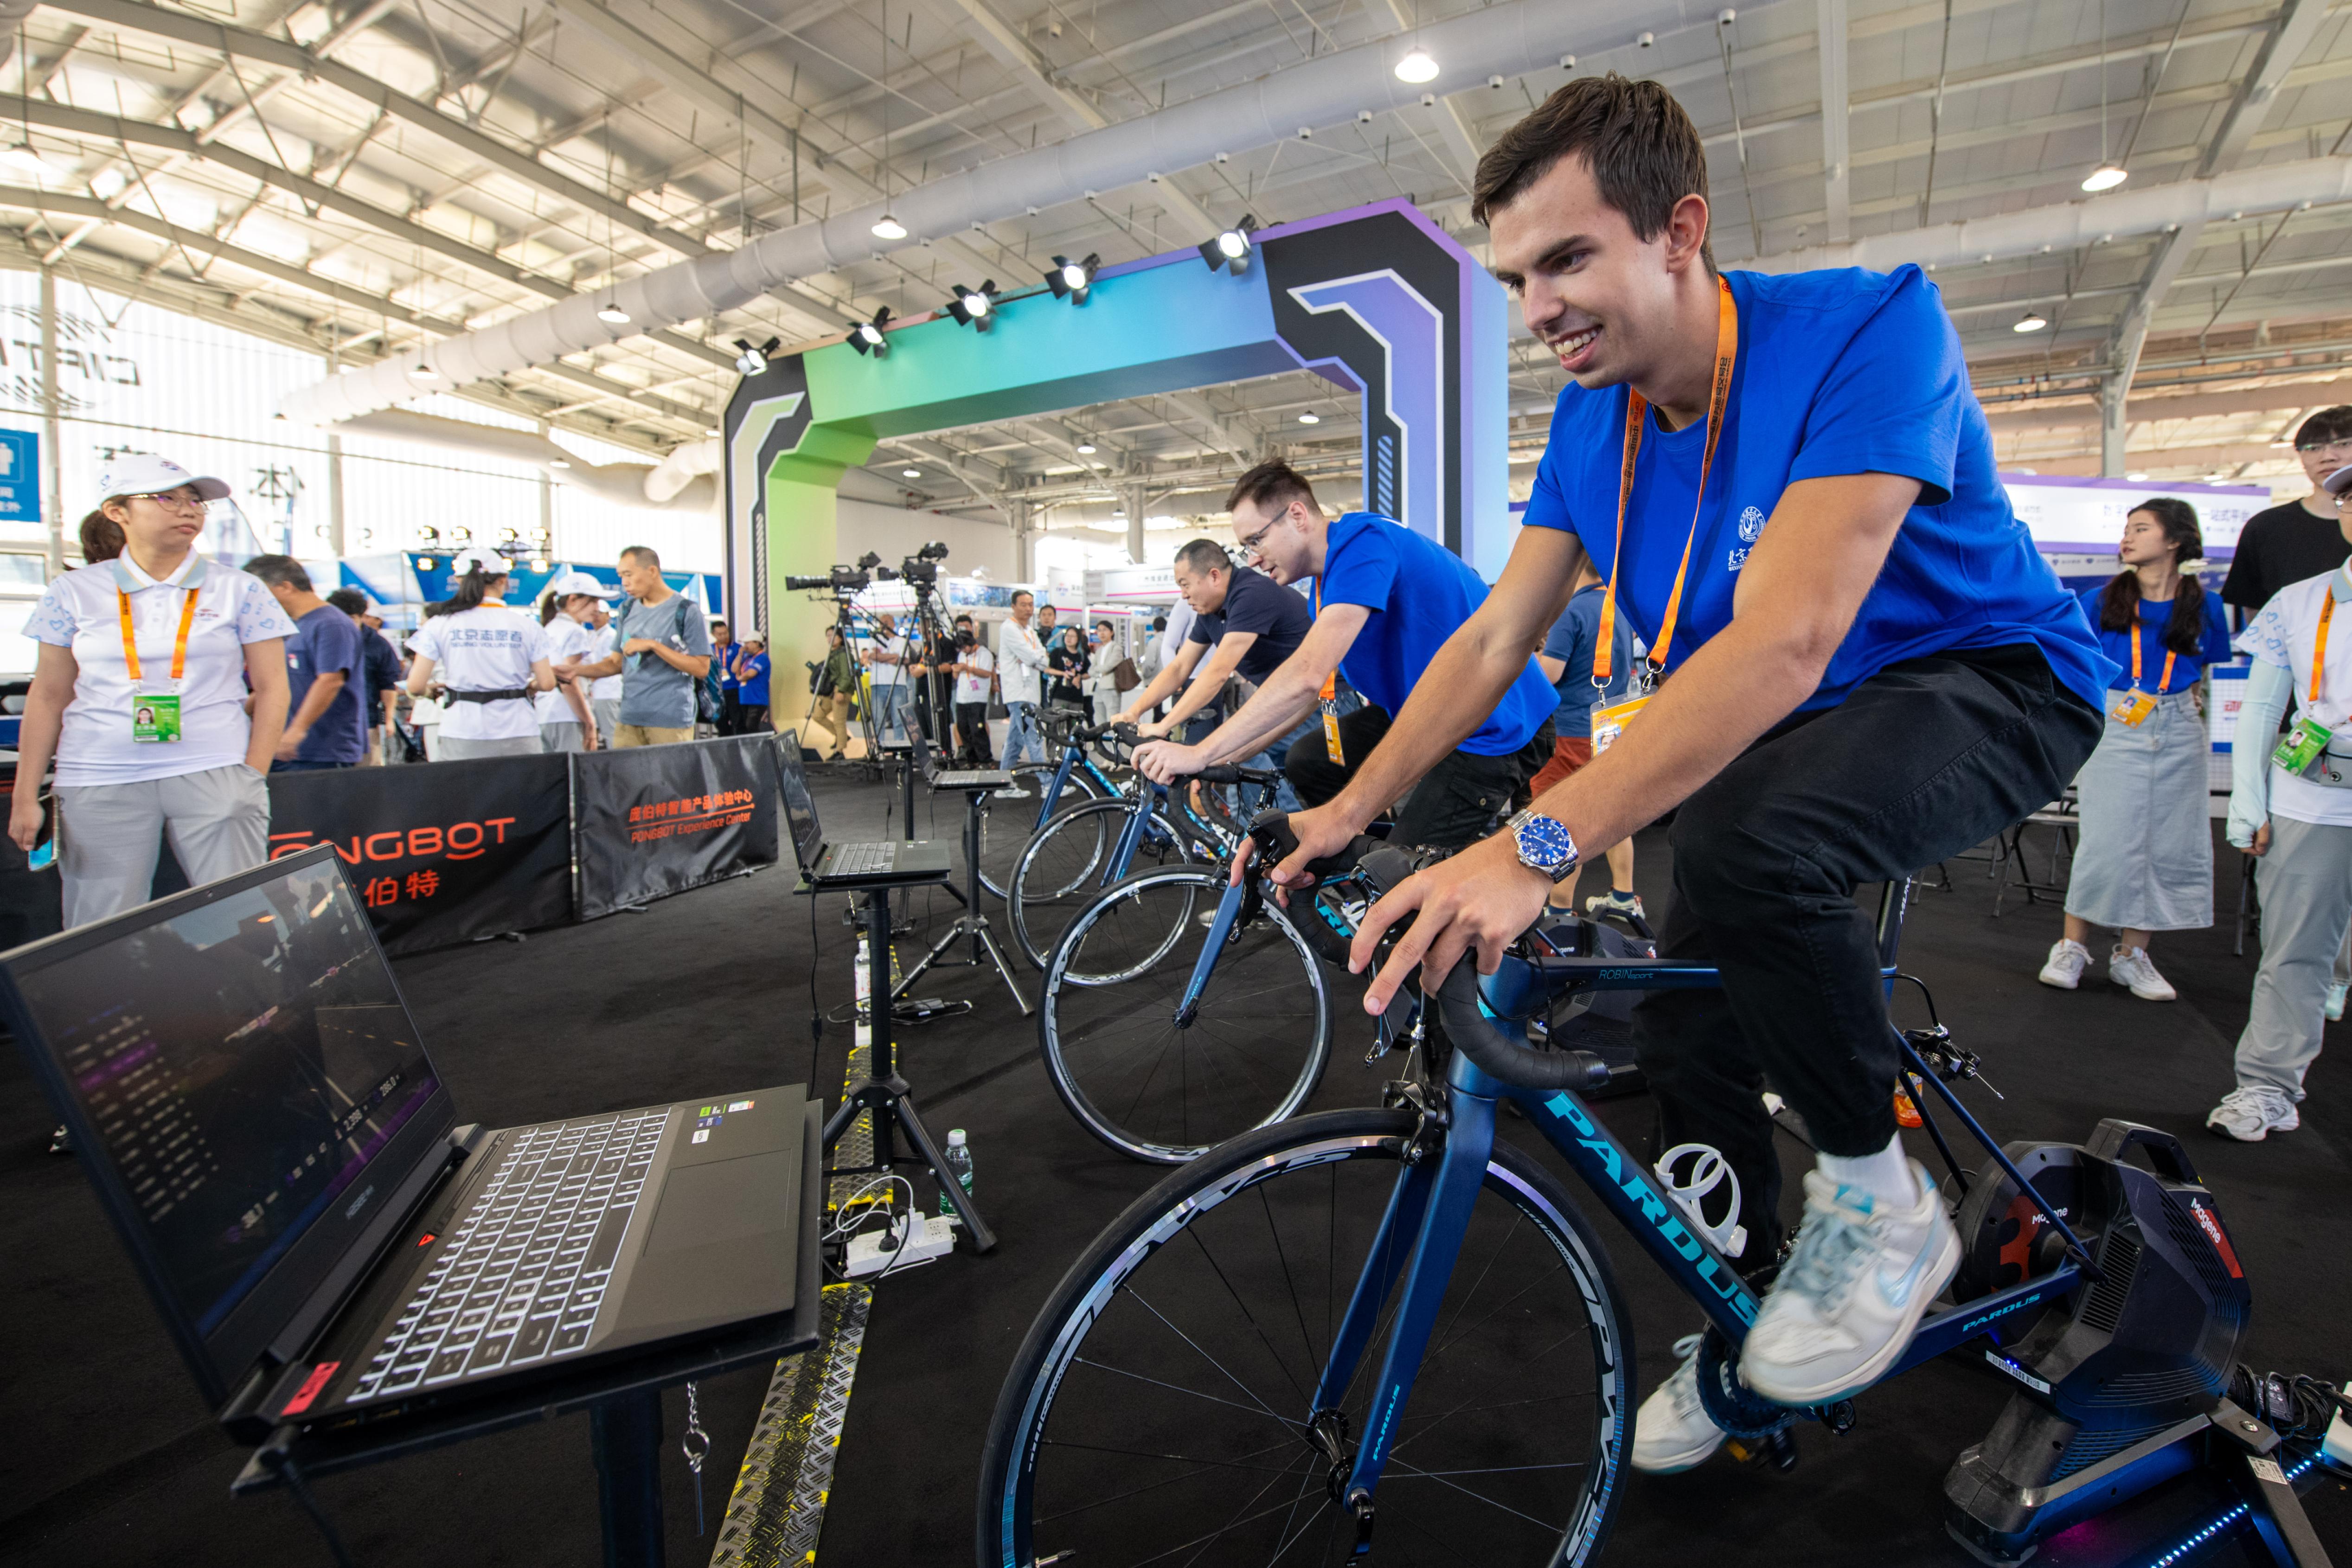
1246,624
2304,539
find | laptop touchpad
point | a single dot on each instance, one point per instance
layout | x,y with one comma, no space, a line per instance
724,1201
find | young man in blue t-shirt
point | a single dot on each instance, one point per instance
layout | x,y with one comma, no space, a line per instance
1385,599
1871,670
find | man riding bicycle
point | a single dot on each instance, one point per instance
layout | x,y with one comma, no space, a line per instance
1384,600
1789,490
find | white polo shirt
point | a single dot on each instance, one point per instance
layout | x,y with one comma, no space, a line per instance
1019,657
2286,634
971,688
566,638
489,648
605,688
81,613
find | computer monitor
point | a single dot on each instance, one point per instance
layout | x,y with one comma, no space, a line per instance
800,811
244,1085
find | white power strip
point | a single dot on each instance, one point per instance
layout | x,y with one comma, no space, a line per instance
874,1250
2338,1444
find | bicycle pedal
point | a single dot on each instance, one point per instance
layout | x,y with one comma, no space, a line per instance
1775,1451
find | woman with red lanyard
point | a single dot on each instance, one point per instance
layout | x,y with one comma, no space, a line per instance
2144,862
141,697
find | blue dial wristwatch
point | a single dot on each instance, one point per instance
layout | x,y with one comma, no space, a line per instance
1544,845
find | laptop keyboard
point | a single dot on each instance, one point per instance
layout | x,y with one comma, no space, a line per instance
857,860
519,1278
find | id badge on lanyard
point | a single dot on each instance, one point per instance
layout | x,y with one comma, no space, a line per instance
2132,708
156,704
2304,744
1329,701
1610,722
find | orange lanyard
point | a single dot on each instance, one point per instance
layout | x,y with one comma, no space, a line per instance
1330,692
2320,647
179,643
1637,408
2165,679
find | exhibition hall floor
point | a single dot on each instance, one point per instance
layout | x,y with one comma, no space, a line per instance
108,1458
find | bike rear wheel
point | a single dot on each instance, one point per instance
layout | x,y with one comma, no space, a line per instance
1069,862
1007,826
1250,1052
1157,1411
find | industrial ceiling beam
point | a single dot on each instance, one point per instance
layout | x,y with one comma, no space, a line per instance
2130,335
1831,30
2296,25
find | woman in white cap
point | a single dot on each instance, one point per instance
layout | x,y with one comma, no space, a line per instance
140,695
567,612
491,660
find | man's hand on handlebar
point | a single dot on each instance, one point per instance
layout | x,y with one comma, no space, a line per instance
1322,831
1154,729
1165,761
1480,899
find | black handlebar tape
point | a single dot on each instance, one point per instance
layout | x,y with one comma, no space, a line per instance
1229,773
1474,1034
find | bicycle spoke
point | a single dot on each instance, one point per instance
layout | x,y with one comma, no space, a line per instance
1256,1327
1147,1487
1205,1355
1175,1388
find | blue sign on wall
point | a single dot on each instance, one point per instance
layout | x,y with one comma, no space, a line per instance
20,476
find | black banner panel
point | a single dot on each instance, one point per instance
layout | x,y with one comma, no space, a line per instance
658,819
442,853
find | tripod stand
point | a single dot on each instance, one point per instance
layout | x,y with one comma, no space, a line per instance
886,1095
977,784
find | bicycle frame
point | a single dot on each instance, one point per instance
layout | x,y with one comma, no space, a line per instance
1074,756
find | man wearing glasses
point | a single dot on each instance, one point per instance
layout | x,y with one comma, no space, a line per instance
2302,539
1385,600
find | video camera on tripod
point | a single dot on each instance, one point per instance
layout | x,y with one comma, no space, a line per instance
921,570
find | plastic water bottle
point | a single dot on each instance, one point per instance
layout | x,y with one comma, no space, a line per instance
958,1159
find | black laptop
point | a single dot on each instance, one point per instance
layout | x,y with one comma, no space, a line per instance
953,778
837,865
265,1129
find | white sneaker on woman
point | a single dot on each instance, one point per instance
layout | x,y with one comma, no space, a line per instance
2254,1112
2335,993
2067,961
2133,969
1853,1292
1673,1431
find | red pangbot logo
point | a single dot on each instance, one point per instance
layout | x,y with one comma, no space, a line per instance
686,814
2212,1230
456,841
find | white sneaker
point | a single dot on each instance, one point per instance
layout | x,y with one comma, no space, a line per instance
1854,1287
1674,1432
1609,904
2254,1112
2336,990
2133,968
1014,792
2068,959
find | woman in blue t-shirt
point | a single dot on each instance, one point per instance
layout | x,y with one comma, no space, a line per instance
2144,862
752,687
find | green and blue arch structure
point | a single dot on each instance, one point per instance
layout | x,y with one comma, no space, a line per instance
1377,299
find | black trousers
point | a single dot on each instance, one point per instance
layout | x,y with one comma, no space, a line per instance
1925,759
730,711
1452,807
971,728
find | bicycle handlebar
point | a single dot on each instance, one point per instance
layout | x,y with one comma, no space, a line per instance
1474,1034
1235,774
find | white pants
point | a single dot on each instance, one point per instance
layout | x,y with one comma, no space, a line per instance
110,835
563,735
608,715
2306,886
458,748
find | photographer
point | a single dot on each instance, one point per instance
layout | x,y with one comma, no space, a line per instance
836,680
972,667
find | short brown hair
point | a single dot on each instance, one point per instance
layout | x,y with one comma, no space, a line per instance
1643,150
1272,484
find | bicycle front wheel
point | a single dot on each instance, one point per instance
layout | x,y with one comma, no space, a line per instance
1069,862
1159,1085
1006,826
1157,1411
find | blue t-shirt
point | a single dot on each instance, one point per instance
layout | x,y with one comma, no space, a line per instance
1419,593
382,665
1839,372
2212,642
753,692
327,642
1573,638
722,664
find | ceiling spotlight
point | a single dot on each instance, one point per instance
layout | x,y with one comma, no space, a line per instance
538,563
1087,448
887,227
2106,177
1310,417
1073,281
910,472
975,307
867,337
2031,321
1230,249
425,563
1417,65
613,313
424,372
754,361
559,463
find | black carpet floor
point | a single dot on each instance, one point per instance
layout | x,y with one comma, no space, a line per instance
108,1457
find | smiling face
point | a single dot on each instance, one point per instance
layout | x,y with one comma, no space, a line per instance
1601,297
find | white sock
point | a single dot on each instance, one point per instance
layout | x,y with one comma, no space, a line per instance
1885,1176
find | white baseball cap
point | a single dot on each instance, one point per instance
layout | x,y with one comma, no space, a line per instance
756,635
2335,484
144,474
571,580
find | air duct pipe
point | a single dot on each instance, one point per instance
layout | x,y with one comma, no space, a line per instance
1507,39
2272,188
625,484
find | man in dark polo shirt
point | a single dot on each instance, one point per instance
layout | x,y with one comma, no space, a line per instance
1245,624
2302,539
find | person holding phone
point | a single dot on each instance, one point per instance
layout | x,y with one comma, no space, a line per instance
140,697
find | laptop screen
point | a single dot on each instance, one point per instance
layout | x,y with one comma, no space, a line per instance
808,839
240,1061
